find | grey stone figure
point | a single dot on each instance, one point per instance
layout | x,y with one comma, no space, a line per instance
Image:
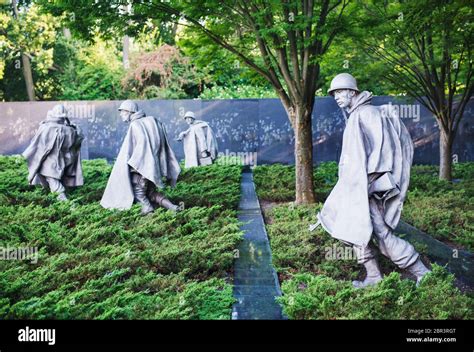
200,145
54,154
374,172
144,159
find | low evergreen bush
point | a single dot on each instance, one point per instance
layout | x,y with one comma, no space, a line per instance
95,263
316,272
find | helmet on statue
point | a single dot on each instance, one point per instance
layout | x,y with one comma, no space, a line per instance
58,111
128,105
190,114
343,81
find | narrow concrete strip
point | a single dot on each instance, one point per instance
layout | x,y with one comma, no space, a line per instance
255,281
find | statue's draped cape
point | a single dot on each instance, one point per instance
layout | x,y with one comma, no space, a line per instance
55,151
375,141
199,137
146,149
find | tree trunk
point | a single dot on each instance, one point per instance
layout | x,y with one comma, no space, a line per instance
26,65
126,52
27,74
445,155
174,30
304,156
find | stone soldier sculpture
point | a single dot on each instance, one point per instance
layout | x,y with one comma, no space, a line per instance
145,158
374,172
200,145
54,154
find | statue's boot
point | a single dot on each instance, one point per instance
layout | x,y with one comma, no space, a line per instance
373,275
163,202
140,196
419,270
62,197
166,203
55,186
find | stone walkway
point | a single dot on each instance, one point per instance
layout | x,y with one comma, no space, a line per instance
255,281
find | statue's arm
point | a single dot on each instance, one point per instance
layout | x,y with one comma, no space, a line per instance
183,134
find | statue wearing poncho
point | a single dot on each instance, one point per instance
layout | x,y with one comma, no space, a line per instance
200,145
377,147
145,158
374,173
54,154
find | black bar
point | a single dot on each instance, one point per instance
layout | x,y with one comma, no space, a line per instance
328,333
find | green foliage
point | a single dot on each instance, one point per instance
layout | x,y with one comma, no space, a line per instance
448,216
95,263
95,74
164,73
276,182
296,249
149,25
345,55
32,33
321,297
209,185
464,171
438,207
291,40
316,270
441,208
238,92
220,66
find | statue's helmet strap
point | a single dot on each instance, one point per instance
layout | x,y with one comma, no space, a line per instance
343,81
128,105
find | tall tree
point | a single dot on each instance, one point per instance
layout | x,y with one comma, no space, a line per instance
26,64
427,46
282,40
28,36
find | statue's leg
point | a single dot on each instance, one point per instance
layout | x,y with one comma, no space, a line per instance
140,185
366,256
160,199
400,252
56,186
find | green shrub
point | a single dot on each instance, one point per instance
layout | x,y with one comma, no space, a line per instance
463,171
92,73
209,185
441,208
277,182
96,263
448,217
307,296
295,248
316,273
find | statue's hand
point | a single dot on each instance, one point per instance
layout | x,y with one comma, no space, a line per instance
180,136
